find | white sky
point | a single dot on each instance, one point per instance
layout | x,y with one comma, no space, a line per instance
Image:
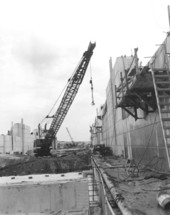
42,41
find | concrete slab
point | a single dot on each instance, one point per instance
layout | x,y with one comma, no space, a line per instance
44,194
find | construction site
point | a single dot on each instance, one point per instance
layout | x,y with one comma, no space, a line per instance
38,173
134,123
124,169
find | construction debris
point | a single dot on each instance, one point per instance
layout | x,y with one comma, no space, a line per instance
163,199
132,189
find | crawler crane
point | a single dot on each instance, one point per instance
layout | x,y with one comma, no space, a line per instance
43,145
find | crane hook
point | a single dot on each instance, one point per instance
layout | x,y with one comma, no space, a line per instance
91,83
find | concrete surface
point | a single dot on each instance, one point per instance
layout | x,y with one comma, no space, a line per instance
44,194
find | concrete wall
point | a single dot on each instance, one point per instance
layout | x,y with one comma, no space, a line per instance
105,129
19,140
109,116
97,133
142,139
132,136
2,141
55,194
112,120
17,144
8,144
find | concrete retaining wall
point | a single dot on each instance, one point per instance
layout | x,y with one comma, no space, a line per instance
47,194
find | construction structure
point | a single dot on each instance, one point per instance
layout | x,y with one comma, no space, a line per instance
136,115
49,194
134,121
19,139
47,137
70,136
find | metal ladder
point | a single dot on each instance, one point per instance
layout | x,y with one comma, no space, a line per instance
161,81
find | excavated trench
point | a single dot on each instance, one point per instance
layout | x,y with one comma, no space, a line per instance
26,165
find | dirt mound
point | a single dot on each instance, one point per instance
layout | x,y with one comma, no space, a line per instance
70,162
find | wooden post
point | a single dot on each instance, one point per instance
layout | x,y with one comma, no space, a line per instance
167,54
126,78
125,73
121,79
169,15
115,97
136,61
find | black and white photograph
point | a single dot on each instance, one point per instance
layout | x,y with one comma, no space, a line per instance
84,107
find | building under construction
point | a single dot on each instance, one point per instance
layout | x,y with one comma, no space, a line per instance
135,119
77,180
19,139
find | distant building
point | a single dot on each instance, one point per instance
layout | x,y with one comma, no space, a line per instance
18,140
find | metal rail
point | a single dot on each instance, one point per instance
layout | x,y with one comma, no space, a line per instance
107,207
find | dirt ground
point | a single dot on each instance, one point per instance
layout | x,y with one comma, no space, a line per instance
138,187
24,165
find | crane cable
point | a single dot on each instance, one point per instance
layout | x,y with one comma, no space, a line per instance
54,104
91,83
47,117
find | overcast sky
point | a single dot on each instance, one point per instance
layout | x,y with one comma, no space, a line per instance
42,41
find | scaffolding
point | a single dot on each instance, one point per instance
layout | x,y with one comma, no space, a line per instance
136,89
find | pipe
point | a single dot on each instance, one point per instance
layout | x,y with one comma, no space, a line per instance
163,199
116,195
